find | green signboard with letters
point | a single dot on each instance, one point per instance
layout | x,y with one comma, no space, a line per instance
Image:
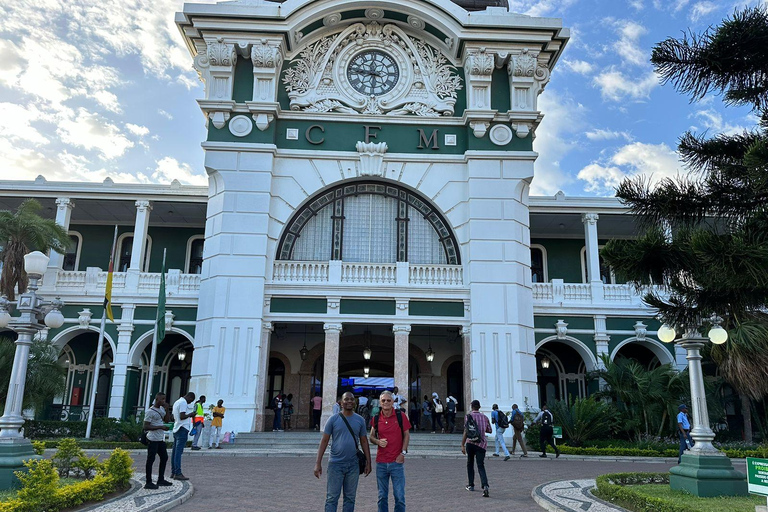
557,432
757,476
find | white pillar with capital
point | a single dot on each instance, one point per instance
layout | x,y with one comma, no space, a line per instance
602,340
140,230
402,334
330,370
64,207
121,362
591,244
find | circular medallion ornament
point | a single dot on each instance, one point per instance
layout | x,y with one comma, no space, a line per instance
500,134
373,73
240,126
374,13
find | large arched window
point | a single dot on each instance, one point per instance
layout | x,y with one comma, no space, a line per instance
369,222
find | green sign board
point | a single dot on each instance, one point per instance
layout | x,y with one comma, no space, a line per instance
757,476
557,432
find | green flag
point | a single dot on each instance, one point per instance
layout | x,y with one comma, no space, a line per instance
160,320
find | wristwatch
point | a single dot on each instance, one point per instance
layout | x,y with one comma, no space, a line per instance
404,452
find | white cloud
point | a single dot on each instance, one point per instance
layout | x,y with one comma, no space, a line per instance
140,131
89,131
169,169
165,114
701,9
555,138
539,7
713,120
579,66
600,134
637,5
15,123
655,161
614,85
628,46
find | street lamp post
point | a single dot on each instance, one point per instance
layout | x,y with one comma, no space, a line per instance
35,314
704,470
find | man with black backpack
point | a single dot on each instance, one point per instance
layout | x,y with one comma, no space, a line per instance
474,445
545,436
499,419
517,421
390,431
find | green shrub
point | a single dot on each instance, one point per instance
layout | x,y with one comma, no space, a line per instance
584,419
104,429
87,466
38,484
67,453
39,447
612,487
532,436
118,468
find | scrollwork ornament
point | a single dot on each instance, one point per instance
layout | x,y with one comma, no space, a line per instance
374,13
416,23
264,55
481,63
332,19
524,64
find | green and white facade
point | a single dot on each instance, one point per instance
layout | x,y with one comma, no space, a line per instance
338,218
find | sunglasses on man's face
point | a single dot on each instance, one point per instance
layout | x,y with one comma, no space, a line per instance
385,401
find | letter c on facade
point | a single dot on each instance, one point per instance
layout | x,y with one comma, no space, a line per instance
308,134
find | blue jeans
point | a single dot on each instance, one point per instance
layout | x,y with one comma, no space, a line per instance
276,421
385,471
500,441
342,475
179,442
683,445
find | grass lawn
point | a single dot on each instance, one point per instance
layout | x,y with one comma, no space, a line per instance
720,504
9,495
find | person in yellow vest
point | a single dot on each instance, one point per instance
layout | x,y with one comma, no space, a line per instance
218,416
198,422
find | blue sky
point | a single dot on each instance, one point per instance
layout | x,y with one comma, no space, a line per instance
90,89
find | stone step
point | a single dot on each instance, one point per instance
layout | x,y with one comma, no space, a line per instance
300,441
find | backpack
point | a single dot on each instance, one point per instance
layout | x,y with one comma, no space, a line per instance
399,422
501,420
438,407
451,406
375,407
470,425
518,421
546,419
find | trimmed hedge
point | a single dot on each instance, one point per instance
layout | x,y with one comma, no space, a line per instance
612,487
105,429
40,490
95,445
642,452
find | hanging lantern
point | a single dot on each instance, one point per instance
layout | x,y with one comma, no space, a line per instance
367,350
303,352
182,355
430,354
545,362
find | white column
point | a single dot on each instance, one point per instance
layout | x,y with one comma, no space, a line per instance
466,343
402,334
140,230
261,376
64,207
330,370
591,243
121,362
601,340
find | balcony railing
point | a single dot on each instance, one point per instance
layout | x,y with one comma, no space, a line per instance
560,293
94,281
344,273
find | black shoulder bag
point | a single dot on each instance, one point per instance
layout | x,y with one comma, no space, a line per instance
362,461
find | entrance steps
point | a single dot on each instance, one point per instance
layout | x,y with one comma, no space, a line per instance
300,443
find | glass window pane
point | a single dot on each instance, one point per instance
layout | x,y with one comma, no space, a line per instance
370,229
71,255
537,265
314,244
424,246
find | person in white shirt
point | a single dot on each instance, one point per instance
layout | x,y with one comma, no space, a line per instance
154,425
398,399
183,411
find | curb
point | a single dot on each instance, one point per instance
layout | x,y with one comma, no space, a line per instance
547,503
130,502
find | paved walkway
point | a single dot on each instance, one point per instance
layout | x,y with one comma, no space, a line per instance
138,499
274,484
571,496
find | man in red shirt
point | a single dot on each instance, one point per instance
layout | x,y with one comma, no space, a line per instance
390,431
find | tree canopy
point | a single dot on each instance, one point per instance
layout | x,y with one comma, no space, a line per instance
704,241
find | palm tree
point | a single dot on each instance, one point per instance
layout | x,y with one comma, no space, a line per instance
21,232
46,378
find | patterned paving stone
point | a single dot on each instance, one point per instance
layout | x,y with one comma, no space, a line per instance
571,496
138,499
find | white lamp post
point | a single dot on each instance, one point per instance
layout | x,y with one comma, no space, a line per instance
35,314
704,471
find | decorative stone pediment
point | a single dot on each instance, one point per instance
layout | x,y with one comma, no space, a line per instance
561,329
317,81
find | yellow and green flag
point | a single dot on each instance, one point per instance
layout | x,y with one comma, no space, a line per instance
108,292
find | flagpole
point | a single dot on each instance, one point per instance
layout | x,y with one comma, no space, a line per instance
99,349
153,356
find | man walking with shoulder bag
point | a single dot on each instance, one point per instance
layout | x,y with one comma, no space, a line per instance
499,419
390,431
517,421
345,429
474,444
545,437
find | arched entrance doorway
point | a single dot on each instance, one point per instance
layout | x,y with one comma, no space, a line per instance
561,371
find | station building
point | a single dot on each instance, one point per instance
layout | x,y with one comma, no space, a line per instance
367,223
